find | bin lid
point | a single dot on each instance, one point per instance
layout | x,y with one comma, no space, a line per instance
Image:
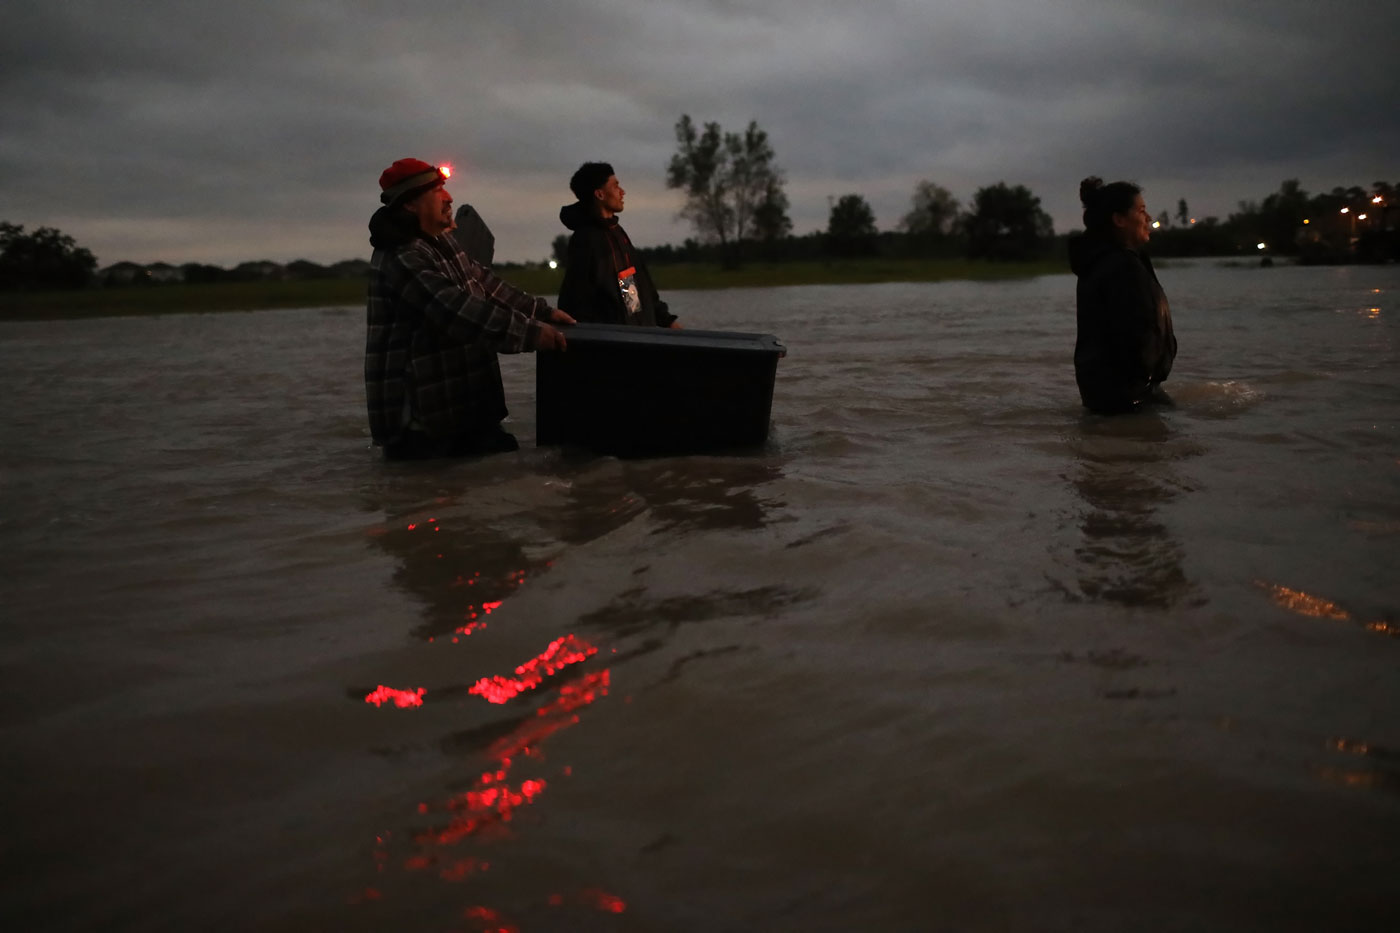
600,335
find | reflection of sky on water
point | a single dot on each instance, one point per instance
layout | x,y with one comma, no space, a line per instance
1361,765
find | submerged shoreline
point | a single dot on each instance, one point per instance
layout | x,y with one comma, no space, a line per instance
311,293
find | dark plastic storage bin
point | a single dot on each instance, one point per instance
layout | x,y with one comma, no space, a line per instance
644,391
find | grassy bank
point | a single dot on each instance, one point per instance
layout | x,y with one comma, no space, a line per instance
253,296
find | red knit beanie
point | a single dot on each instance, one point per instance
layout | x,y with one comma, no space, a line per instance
406,178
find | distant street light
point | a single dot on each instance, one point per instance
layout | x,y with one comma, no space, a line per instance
553,264
1346,210
1262,245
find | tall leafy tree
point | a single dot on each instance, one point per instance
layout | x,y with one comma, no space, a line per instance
733,187
1276,220
1007,223
851,226
770,218
932,210
1182,213
45,258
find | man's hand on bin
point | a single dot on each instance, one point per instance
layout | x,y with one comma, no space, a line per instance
551,338
561,317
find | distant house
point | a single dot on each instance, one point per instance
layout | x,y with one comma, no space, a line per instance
305,269
124,273
350,269
262,270
202,272
163,273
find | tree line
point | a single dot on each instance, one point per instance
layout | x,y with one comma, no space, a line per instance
731,180
735,201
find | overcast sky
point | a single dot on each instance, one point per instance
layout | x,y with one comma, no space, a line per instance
222,132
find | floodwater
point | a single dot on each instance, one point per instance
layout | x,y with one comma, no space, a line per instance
947,654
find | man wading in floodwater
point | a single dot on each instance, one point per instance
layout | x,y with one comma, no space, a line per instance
436,321
605,281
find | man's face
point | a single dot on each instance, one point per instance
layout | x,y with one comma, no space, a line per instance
433,208
610,196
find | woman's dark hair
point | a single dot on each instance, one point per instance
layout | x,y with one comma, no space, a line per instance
1102,201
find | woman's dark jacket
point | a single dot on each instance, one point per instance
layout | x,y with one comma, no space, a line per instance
1125,345
598,251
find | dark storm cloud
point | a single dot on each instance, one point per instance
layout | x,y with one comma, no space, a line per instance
231,131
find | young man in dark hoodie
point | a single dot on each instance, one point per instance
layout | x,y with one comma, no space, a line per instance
1125,346
436,321
605,281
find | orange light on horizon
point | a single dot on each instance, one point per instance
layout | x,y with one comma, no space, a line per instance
1306,221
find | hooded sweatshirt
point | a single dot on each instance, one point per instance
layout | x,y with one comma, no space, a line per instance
601,268
1125,345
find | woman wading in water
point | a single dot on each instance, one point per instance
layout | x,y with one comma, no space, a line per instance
1125,347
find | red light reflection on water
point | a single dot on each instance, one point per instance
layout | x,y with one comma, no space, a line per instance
492,800
512,582
485,811
551,718
483,806
561,653
604,901
491,918
596,898
401,698
461,869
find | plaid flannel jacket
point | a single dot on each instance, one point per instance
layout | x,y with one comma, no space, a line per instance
435,323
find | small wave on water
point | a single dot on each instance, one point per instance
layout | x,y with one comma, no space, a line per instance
1217,399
